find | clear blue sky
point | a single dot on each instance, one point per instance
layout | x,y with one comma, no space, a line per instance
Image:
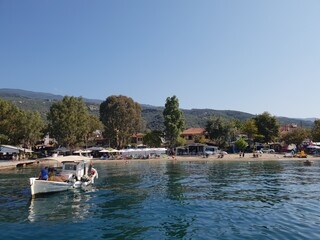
247,55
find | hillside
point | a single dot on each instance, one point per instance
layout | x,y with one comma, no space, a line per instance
38,101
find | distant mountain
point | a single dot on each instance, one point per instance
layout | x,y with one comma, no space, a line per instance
309,119
7,92
152,115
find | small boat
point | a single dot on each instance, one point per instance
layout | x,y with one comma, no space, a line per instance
308,163
76,172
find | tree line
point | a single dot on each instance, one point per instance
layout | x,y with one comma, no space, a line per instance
69,122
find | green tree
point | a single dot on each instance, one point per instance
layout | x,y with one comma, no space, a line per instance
9,122
94,124
249,127
68,121
31,128
153,138
296,136
121,117
241,144
268,126
18,126
316,131
200,139
219,130
173,120
181,141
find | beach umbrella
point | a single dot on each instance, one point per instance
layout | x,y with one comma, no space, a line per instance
8,150
108,150
61,149
104,151
95,148
82,151
313,147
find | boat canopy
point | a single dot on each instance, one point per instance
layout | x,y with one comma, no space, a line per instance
72,158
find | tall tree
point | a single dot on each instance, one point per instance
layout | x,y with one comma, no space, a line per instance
316,131
173,120
268,126
153,138
241,144
121,117
31,128
219,130
68,121
9,122
249,127
18,126
296,136
94,124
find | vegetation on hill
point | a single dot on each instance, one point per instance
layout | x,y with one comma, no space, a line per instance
151,115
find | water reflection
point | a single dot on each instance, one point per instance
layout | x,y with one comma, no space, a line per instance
70,206
175,175
167,200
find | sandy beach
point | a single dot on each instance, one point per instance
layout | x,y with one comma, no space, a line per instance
5,165
227,157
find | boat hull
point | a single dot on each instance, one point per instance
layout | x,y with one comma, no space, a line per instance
38,186
44,186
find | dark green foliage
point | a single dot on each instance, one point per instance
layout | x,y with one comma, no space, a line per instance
121,117
173,120
153,138
94,124
18,126
241,144
249,127
9,122
268,126
220,130
69,121
153,116
316,131
296,136
31,128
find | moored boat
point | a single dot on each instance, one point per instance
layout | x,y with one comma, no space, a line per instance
76,172
308,162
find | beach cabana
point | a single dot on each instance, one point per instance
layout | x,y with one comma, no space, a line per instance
10,150
195,149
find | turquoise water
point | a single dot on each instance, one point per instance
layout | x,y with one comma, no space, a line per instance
166,200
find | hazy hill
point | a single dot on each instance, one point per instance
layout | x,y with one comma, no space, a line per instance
39,101
8,92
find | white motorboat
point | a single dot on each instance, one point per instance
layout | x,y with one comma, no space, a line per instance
76,172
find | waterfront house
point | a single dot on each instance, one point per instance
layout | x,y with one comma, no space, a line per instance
137,139
194,134
196,149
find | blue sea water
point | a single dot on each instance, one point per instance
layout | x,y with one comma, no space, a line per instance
170,200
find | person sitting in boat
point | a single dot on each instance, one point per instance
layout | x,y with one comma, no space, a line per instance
44,174
90,169
50,174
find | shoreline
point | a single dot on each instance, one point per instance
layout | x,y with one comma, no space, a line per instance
213,158
7,165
